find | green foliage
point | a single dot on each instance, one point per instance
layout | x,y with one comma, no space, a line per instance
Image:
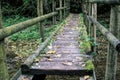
89,65
84,40
29,33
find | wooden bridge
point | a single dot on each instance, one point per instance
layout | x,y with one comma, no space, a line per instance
64,55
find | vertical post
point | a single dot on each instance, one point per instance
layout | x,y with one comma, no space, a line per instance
40,13
94,15
68,7
65,8
111,65
89,26
3,64
53,9
60,10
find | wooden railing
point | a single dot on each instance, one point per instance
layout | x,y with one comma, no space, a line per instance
5,32
112,35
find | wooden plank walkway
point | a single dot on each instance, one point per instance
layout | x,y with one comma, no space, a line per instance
64,56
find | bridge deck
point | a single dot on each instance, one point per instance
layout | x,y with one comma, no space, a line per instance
64,56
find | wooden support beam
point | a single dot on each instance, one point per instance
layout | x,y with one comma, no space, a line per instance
3,63
58,9
40,13
53,9
5,32
94,15
65,8
112,55
89,26
60,1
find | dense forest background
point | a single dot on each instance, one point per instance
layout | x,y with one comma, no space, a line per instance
29,7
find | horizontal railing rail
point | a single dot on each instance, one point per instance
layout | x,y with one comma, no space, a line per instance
57,9
5,32
110,37
104,1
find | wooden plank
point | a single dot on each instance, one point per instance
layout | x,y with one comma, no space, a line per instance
61,72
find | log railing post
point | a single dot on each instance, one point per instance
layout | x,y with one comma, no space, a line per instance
3,63
111,65
94,15
53,9
65,8
40,13
89,26
60,1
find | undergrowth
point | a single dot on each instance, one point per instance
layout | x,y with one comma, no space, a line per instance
84,40
30,33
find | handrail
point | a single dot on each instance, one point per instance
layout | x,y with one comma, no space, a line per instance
57,9
112,39
5,32
104,1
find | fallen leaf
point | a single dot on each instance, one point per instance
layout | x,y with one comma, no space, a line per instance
49,47
50,59
58,55
83,65
87,77
36,60
24,78
67,63
79,58
51,52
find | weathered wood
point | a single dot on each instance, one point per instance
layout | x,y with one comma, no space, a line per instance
112,55
94,15
40,13
111,38
16,75
59,63
61,8
60,1
65,8
89,26
31,58
104,1
53,9
3,63
5,32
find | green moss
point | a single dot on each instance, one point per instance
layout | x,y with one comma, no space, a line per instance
89,65
83,40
